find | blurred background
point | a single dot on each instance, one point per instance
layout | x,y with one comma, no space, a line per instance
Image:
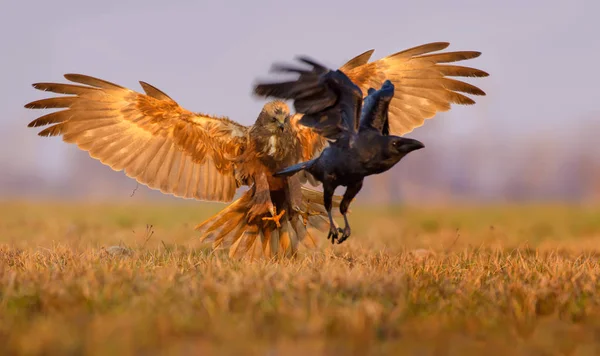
533,138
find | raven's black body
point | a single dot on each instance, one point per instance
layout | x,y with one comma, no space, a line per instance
360,143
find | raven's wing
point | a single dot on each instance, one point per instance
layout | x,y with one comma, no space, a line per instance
422,84
375,109
150,137
329,100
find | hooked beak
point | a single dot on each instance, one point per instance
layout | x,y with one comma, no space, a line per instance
281,125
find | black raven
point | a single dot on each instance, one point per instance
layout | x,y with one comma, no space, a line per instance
359,137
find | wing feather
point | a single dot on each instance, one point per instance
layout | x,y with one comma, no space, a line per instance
155,92
149,137
359,60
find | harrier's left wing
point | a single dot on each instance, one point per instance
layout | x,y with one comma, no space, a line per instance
422,81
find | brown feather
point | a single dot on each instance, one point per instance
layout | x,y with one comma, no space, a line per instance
359,60
421,49
93,82
52,118
64,88
155,92
52,103
52,131
449,57
460,71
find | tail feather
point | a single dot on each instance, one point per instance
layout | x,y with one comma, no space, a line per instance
302,235
229,236
246,243
230,229
270,239
288,242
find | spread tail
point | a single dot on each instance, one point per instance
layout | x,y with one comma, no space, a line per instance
293,169
230,228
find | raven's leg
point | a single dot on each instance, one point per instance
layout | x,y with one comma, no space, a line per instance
349,195
328,191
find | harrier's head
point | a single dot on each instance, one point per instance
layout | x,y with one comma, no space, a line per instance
274,117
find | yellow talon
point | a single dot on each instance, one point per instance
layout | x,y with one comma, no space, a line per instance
275,218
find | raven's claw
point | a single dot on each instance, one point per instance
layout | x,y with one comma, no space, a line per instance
333,234
345,234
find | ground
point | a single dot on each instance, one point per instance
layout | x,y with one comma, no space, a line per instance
519,280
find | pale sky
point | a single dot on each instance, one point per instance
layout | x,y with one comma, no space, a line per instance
543,56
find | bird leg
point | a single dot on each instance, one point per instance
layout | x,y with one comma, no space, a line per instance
262,203
349,195
327,201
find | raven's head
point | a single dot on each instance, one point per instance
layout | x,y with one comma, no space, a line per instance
401,146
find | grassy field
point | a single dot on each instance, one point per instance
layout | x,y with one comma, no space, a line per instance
518,280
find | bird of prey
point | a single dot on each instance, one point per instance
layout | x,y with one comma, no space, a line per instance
193,155
360,142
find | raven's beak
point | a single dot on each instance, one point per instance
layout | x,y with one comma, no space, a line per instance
410,144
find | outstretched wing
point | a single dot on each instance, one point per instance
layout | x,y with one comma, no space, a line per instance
149,137
328,99
422,84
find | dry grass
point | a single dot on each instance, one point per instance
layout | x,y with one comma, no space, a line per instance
519,280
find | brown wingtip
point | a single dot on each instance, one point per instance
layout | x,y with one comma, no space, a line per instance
54,130
92,81
440,44
154,92
481,74
358,60
365,56
71,76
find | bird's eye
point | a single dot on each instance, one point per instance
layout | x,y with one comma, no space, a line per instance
274,119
